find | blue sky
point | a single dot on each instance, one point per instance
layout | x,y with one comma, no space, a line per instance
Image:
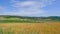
30,7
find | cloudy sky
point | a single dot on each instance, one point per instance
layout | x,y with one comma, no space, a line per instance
30,7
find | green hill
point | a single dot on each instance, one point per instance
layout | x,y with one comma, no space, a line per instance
25,19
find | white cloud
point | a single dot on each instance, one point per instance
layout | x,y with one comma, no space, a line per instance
30,7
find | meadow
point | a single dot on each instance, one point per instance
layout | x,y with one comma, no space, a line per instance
29,25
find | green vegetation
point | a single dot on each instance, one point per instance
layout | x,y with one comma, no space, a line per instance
22,19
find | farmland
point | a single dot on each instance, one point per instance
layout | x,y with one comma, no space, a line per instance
29,25
30,28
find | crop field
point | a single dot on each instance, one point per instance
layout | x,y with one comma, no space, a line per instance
29,25
30,28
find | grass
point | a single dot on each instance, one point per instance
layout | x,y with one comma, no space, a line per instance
26,21
20,21
30,28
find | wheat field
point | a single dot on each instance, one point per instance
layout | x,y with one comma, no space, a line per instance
30,28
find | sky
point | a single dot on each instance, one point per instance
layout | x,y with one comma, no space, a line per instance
30,7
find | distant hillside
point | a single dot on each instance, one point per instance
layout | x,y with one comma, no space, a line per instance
50,17
10,18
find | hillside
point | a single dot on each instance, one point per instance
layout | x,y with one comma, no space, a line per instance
10,18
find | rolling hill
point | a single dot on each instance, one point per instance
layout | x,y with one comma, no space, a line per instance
10,18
